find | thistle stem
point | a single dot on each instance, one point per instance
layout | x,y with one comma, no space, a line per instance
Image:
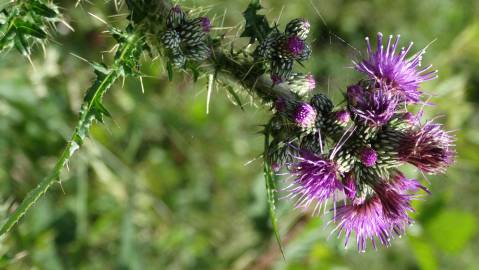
87,115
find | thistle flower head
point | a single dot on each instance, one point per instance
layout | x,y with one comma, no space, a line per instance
281,70
404,185
365,218
396,204
322,103
428,147
343,116
373,106
298,27
310,81
176,16
411,118
368,157
393,71
349,186
295,45
301,84
205,24
305,115
316,178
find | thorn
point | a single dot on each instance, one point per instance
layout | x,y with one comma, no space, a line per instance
67,25
142,86
79,57
98,18
211,78
31,62
61,186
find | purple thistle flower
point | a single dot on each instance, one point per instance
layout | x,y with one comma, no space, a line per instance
429,148
411,118
364,217
305,116
374,107
311,82
349,186
298,27
381,215
316,179
295,45
396,195
396,205
343,116
205,24
404,185
393,71
368,157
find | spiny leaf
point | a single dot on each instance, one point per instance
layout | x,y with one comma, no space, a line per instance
29,29
42,10
271,189
21,44
256,26
5,41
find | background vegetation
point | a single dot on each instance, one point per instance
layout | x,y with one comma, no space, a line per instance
163,185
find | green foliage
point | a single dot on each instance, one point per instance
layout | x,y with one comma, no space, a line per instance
256,25
458,226
163,185
26,23
126,60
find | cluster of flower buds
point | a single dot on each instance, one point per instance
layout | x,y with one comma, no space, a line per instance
352,153
281,50
186,39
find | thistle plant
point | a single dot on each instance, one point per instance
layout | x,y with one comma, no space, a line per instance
354,152
25,24
349,154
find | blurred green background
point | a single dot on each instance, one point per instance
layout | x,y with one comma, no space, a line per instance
163,185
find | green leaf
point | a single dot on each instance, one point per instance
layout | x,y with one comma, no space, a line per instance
271,189
138,10
29,29
451,230
21,44
42,10
5,41
256,26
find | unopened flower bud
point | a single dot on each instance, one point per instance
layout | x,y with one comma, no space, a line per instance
305,116
298,27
